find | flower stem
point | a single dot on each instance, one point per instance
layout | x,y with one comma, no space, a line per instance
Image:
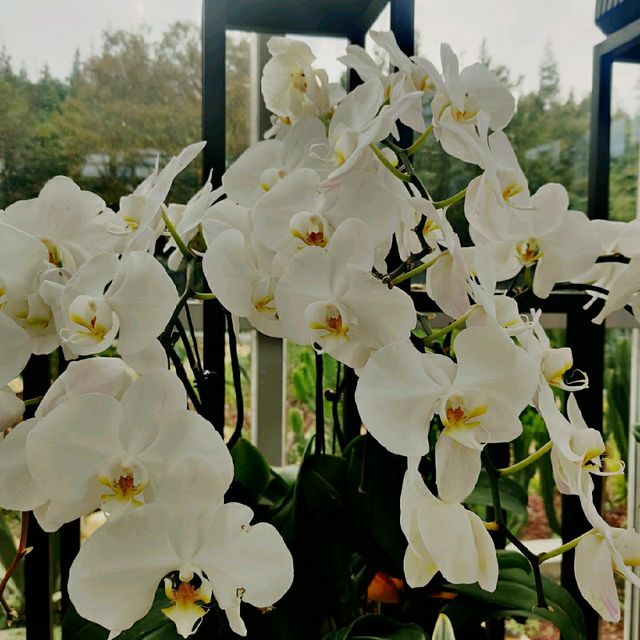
388,165
197,295
567,546
523,464
420,141
450,327
419,269
533,559
237,382
33,401
440,204
21,552
184,250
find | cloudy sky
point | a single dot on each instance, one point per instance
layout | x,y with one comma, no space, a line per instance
35,32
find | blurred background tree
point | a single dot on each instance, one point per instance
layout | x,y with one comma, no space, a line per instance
105,124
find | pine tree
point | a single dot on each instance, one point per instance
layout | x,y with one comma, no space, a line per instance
549,77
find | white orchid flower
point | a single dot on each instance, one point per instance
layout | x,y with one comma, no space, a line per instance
461,99
615,237
443,537
115,576
360,120
448,280
240,272
70,223
577,452
492,196
140,212
624,290
18,489
187,218
478,401
94,450
598,557
296,212
406,237
16,350
132,299
329,297
265,163
415,74
23,263
291,87
560,243
553,363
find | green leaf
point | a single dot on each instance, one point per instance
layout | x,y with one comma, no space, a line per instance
376,627
515,596
513,497
251,469
373,485
512,560
154,626
322,480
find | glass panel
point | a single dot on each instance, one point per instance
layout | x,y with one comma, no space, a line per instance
625,136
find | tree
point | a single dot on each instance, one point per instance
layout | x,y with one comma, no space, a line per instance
549,77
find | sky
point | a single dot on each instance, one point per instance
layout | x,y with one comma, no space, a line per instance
35,32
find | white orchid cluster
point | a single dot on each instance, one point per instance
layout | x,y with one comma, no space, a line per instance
296,240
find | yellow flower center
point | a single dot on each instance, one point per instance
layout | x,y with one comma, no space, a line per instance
299,80
92,326
263,305
132,223
458,417
54,253
187,607
512,189
123,489
429,226
464,115
333,326
529,252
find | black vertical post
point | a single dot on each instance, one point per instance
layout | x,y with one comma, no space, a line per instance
587,340
599,151
213,131
402,24
357,38
38,576
69,548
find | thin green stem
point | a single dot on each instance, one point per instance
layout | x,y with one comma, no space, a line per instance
440,204
567,546
450,327
420,141
33,401
182,301
493,476
388,165
203,296
419,269
184,250
523,464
